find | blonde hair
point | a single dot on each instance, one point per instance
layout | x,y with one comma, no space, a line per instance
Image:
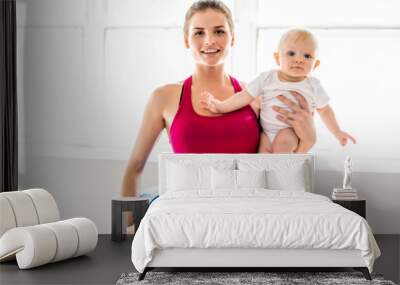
298,34
203,5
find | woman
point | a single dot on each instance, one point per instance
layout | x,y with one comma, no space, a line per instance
208,33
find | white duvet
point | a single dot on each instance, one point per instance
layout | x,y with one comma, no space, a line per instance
250,219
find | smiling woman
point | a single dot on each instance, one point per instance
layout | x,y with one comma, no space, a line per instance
209,34
211,37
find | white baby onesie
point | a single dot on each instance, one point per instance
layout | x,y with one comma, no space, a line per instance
268,85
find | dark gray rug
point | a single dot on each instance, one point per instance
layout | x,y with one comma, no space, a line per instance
269,278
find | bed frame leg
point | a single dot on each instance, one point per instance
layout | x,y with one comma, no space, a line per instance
364,271
143,274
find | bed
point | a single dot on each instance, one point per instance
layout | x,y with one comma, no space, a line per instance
247,210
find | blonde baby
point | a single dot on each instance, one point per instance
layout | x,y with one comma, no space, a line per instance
297,58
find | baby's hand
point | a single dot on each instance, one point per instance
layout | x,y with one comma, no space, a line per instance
208,101
343,137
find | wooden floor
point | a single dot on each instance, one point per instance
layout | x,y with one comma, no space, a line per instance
111,259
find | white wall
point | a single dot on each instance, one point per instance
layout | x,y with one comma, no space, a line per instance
87,68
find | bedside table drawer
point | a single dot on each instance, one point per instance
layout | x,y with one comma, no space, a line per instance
357,206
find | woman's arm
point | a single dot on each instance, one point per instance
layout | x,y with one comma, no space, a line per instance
300,119
152,125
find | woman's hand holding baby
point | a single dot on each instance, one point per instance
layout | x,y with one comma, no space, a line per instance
300,119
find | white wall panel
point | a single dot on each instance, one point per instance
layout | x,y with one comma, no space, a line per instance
137,61
146,13
149,12
339,12
51,12
364,92
56,110
245,40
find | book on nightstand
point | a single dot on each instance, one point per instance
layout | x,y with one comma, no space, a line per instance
345,194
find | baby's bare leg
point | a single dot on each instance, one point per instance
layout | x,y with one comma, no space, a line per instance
286,141
264,145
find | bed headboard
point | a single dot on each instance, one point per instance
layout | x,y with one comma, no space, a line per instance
277,162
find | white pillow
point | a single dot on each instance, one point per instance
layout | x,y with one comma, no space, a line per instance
223,179
285,173
293,180
187,177
193,174
227,179
251,178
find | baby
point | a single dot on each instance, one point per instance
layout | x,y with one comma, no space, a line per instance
296,58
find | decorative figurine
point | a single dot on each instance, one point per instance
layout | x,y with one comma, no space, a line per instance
346,192
348,169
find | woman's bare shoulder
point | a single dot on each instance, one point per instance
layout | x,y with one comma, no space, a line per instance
168,90
165,100
166,95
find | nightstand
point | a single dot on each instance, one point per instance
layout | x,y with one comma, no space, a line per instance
357,206
138,206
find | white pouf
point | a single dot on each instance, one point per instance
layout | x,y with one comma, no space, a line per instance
31,232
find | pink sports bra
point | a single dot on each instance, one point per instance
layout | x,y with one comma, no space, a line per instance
234,132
